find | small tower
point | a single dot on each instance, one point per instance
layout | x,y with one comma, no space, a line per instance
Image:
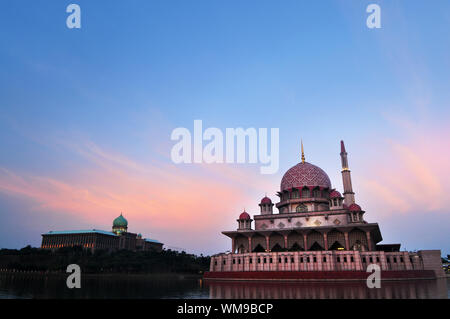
120,225
355,214
266,206
336,200
349,195
244,221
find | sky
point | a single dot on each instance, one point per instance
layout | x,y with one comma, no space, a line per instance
86,114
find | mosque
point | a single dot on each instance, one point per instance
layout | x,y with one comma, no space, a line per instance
318,233
118,238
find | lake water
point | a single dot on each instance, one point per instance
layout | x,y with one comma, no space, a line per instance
21,285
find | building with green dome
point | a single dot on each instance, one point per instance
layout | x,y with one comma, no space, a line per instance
94,239
120,225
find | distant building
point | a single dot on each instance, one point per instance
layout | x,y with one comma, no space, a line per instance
118,238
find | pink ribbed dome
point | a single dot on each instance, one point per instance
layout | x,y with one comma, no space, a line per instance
305,174
354,208
266,200
244,215
335,194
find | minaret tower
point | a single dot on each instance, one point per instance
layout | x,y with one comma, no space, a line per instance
349,195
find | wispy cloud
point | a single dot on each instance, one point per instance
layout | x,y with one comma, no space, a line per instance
411,173
177,203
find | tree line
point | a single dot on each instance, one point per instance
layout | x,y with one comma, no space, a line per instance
102,261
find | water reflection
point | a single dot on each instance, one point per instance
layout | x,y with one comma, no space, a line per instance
41,286
419,289
101,287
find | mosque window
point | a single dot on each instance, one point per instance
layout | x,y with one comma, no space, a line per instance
345,259
251,260
307,259
265,260
305,192
316,193
285,260
301,208
301,259
224,262
371,259
401,259
364,259
324,259
292,259
352,259
259,260
338,259
295,193
378,259
395,259
279,260
388,259
270,260
314,259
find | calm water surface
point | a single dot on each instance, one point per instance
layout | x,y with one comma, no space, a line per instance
136,286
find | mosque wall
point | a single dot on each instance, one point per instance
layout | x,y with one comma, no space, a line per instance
327,261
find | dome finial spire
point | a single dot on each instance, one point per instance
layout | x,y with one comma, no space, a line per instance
303,153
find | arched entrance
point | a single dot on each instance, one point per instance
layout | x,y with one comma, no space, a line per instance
336,240
314,237
296,247
337,246
315,247
259,249
277,248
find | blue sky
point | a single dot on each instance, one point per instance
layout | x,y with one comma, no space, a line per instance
138,69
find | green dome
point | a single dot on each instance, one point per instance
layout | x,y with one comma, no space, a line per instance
120,221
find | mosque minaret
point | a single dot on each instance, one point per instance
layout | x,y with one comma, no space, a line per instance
349,195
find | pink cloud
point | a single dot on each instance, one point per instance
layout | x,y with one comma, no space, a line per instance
180,205
410,174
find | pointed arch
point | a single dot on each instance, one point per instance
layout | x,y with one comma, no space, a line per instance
315,237
241,243
305,192
258,249
276,239
335,239
296,247
260,240
277,248
316,192
336,246
295,242
357,239
316,246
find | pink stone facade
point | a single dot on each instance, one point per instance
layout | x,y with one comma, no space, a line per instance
321,261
